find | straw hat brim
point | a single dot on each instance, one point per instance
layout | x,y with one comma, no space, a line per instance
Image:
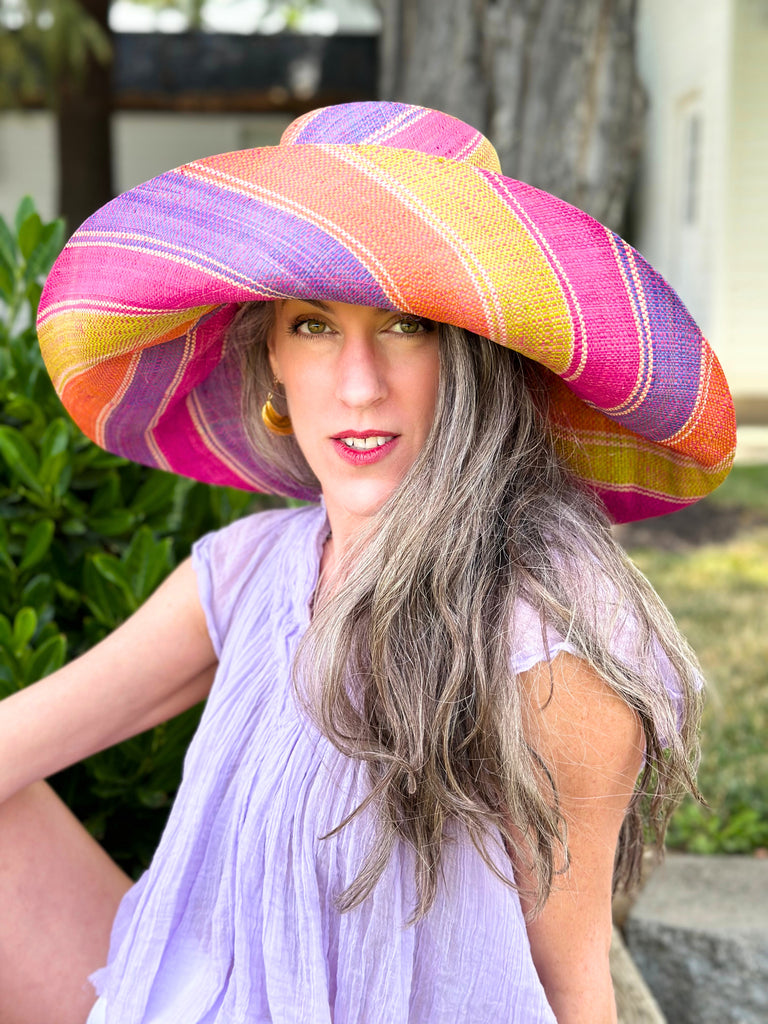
134,315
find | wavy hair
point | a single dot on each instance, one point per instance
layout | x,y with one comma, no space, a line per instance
407,666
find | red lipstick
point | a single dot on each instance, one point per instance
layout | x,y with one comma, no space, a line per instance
364,456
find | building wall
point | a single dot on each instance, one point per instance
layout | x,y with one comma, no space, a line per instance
27,141
745,319
145,144
683,57
702,216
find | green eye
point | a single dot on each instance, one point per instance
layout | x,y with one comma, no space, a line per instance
314,326
410,326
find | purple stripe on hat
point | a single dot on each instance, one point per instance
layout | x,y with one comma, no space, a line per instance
164,376
212,444
676,348
274,250
125,428
219,430
354,122
399,125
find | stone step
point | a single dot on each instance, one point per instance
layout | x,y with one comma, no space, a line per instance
699,935
634,1002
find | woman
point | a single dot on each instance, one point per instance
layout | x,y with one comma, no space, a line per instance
416,774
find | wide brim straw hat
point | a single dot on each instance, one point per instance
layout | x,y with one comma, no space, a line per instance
393,206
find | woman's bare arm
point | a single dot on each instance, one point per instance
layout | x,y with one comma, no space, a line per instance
592,743
155,665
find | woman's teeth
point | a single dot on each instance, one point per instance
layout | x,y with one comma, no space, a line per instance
364,444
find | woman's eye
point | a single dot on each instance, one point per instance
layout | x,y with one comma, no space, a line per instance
409,325
311,327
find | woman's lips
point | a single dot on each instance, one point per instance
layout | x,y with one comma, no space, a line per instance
362,448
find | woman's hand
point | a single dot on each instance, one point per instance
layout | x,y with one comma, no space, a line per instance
592,744
157,664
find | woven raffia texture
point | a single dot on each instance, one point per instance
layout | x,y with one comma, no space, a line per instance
392,206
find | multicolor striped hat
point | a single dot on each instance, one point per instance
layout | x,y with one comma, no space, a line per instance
394,206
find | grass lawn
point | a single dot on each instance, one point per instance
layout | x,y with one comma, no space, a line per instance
718,593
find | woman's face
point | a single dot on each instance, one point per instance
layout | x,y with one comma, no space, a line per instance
361,386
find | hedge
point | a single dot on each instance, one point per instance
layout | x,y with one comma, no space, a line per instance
85,537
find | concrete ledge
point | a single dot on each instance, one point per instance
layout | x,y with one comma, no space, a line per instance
634,1002
699,935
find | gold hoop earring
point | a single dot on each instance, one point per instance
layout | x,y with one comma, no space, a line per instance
272,419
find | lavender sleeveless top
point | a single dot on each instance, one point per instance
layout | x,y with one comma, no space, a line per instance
235,920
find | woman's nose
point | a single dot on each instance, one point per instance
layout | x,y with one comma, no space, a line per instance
360,378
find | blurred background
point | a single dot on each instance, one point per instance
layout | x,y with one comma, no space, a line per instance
650,114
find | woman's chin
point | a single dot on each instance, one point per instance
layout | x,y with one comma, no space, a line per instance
359,502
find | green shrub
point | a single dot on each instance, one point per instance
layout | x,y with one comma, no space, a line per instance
84,538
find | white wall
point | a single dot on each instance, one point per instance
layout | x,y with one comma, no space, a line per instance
145,144
683,56
711,57
148,144
27,142
745,328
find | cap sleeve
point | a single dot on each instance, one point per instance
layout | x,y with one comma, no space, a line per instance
225,562
201,562
531,642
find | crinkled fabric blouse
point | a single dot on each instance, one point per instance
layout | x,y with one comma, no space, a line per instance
235,920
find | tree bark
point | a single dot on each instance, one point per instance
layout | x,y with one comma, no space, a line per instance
553,83
84,138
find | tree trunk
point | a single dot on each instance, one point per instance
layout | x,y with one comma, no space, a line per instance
84,140
553,84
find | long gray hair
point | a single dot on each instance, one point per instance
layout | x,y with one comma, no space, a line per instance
488,516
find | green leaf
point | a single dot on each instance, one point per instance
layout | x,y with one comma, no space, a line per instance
56,438
8,249
147,561
25,209
153,798
38,543
7,280
5,556
47,249
74,527
7,680
6,633
56,473
24,626
106,602
68,594
114,523
115,573
33,293
156,494
107,497
25,409
38,593
48,657
29,234
9,673
19,456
